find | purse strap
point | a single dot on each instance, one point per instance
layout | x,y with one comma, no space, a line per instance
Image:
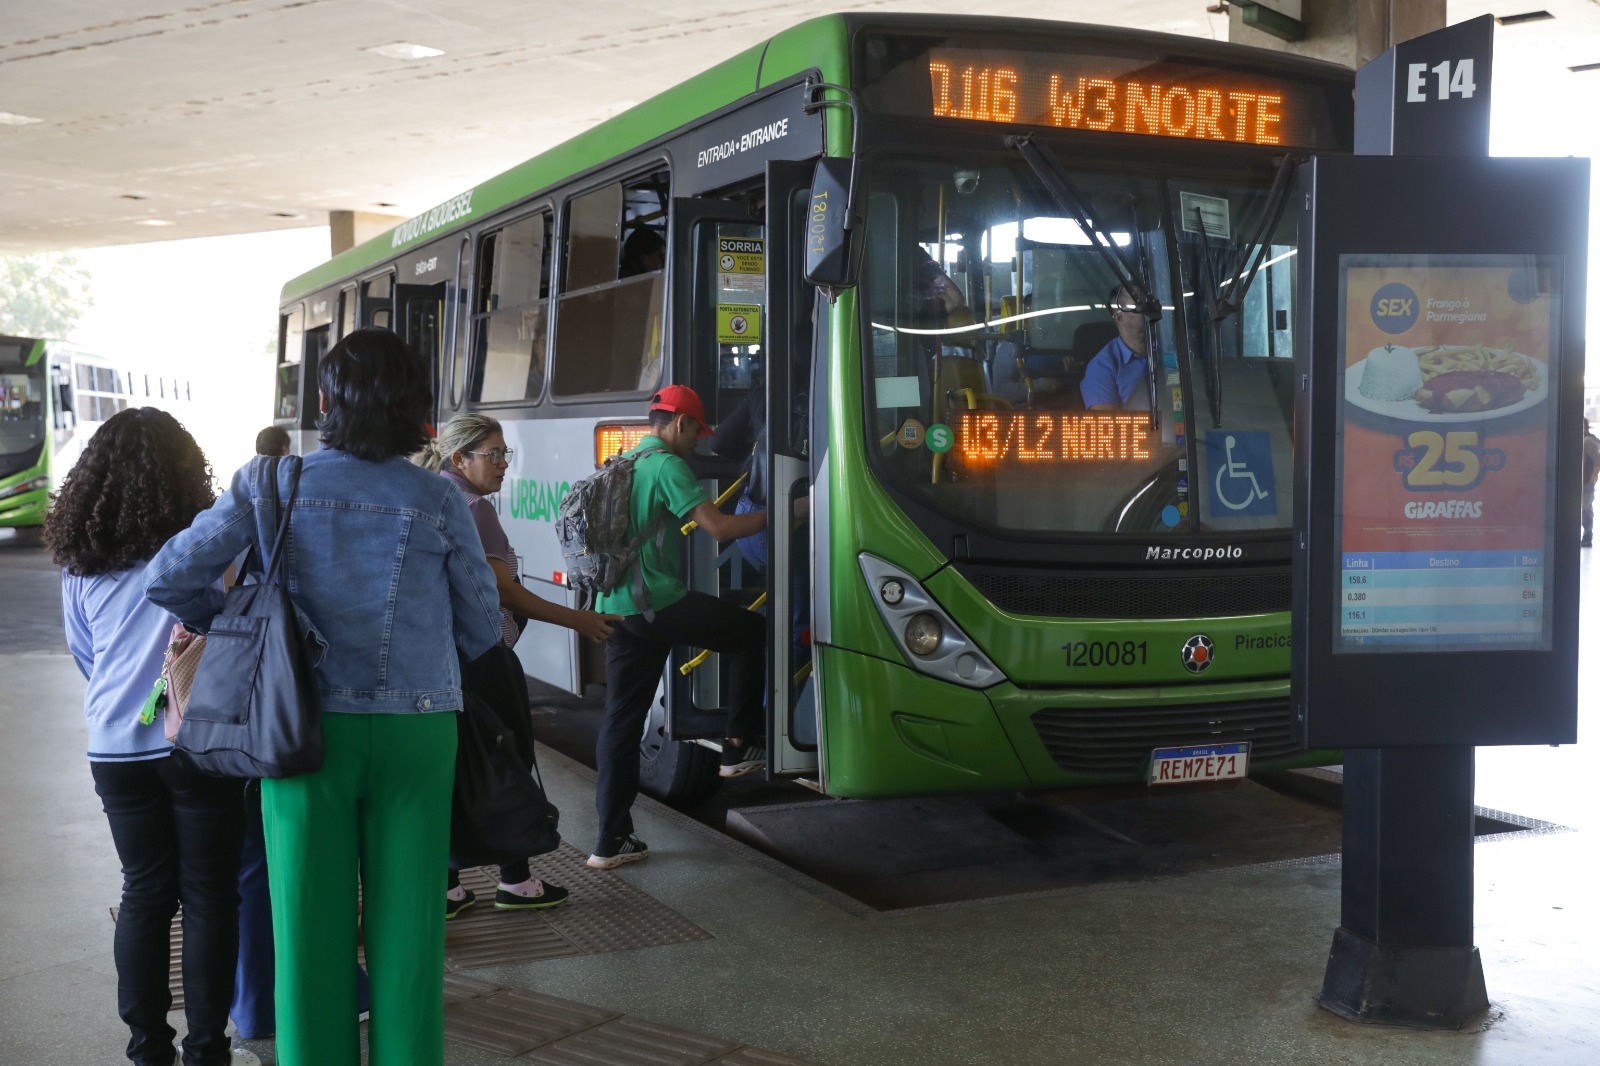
274,561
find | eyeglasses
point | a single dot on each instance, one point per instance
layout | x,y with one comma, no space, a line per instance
1122,309
496,455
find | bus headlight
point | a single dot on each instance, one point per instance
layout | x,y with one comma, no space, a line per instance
27,486
925,633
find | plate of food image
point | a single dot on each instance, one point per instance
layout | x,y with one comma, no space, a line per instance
1446,383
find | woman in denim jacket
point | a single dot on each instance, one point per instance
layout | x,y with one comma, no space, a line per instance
383,560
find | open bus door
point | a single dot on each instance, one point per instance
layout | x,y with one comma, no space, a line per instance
733,334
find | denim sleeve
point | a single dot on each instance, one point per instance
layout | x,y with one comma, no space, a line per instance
79,640
474,594
183,575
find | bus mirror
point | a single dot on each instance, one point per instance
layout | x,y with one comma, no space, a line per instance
830,234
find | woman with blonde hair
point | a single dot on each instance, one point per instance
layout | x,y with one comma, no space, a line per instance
470,452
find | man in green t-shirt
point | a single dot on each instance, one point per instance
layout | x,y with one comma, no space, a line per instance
666,490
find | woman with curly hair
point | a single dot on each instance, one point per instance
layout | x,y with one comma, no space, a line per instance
383,561
142,479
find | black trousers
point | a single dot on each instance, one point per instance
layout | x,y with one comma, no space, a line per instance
178,833
636,653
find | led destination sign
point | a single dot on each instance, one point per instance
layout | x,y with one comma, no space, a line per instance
1117,95
1030,437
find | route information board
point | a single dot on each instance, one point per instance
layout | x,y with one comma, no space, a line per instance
1444,501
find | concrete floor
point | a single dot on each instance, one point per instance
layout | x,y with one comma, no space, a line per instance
1220,967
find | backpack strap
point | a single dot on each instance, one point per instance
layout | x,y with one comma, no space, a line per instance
657,531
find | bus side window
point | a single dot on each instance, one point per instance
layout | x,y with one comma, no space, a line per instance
65,416
347,311
377,301
510,311
609,313
291,345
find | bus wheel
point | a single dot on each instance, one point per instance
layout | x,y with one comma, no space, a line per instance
671,771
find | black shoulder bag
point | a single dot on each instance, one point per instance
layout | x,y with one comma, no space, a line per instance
255,710
499,810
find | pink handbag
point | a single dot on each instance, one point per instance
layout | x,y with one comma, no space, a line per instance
177,668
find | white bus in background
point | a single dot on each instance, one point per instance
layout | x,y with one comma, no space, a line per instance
53,396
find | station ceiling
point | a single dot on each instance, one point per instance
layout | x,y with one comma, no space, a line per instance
126,121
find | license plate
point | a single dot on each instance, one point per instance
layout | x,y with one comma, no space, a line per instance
1207,762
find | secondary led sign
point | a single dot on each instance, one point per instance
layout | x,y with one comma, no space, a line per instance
1098,93
1032,437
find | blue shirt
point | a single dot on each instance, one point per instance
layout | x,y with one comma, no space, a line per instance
1114,376
118,639
384,565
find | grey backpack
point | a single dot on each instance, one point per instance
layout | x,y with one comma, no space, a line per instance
592,526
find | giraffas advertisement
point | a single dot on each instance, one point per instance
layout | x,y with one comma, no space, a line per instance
1444,474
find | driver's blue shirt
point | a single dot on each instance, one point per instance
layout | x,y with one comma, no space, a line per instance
1114,376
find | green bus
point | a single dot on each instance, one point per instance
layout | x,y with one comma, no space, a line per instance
1019,297
53,396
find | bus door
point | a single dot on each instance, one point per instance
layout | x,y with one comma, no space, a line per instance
786,450
422,297
732,342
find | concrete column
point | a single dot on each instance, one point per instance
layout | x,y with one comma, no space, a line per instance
1349,32
346,229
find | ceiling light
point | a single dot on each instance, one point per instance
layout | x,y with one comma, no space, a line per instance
11,118
1526,16
406,50
153,222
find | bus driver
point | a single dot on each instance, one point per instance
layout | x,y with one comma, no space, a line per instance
1118,377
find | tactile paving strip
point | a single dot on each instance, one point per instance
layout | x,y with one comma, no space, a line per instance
604,914
536,1028
514,1021
633,1042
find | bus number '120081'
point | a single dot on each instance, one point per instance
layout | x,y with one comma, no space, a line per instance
1106,653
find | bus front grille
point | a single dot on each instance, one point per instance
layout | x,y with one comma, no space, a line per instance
1145,595
1117,742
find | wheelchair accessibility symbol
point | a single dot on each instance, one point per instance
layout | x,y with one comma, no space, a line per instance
1241,481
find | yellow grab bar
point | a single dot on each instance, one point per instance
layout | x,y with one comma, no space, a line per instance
689,526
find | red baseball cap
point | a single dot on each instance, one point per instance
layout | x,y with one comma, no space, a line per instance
682,400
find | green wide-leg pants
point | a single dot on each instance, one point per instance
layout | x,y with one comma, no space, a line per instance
380,808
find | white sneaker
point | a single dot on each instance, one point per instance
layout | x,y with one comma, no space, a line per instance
736,762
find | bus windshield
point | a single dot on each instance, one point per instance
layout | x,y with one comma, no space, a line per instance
21,405
1015,383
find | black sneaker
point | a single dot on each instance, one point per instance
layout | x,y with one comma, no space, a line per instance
736,762
453,907
609,854
548,896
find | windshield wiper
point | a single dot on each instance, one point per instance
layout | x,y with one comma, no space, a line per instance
1224,305
1060,187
